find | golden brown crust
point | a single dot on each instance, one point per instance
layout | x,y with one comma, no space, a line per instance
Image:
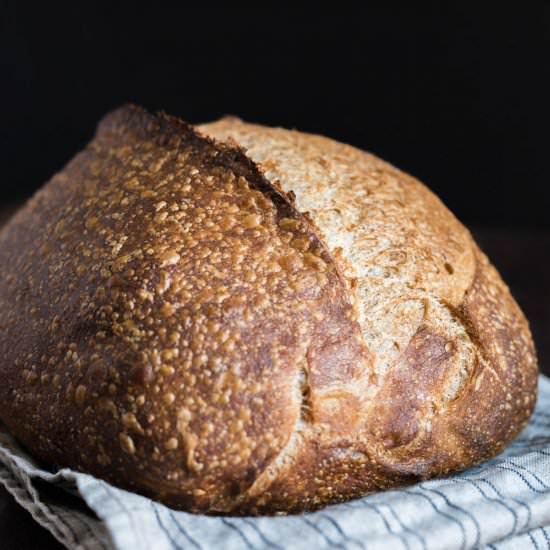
175,322
454,364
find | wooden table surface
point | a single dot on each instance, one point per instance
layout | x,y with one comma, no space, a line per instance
521,255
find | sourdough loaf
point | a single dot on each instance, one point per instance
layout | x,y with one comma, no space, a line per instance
240,319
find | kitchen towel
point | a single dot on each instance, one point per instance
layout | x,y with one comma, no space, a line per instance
503,503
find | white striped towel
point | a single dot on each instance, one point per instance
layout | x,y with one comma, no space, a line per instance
504,504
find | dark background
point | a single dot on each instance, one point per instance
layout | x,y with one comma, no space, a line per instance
458,95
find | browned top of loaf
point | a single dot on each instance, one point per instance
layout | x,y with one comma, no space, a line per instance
183,293
207,343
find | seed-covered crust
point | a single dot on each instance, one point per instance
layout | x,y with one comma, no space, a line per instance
251,333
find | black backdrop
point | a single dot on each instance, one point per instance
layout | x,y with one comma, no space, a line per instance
457,95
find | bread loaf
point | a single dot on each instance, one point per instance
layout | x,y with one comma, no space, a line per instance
238,319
